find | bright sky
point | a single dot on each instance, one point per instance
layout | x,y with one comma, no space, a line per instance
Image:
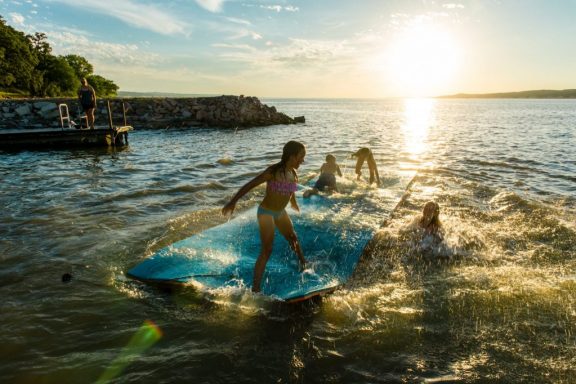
313,48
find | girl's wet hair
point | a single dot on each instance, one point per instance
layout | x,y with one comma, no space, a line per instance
434,208
291,148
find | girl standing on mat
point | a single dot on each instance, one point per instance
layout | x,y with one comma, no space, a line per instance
281,183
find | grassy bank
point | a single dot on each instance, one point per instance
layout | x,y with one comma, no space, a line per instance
13,95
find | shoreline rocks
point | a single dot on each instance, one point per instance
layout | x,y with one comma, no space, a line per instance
148,113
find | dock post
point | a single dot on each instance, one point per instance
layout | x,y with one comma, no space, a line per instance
109,115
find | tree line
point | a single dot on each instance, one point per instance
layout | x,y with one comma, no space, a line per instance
28,67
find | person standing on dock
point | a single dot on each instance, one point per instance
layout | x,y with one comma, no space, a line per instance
87,98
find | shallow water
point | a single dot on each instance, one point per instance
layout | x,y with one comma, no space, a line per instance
497,306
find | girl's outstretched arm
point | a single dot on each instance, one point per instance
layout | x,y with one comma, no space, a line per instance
261,178
338,170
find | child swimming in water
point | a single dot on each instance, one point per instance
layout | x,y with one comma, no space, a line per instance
281,183
327,179
425,232
365,154
430,219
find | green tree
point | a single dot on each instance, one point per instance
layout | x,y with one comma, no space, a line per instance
38,86
102,86
54,76
17,58
27,64
81,66
40,44
59,78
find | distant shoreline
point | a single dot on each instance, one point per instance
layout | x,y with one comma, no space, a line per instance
535,94
538,94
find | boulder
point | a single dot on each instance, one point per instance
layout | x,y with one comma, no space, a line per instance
41,104
223,111
50,114
48,107
23,110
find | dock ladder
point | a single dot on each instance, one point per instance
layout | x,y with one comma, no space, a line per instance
65,117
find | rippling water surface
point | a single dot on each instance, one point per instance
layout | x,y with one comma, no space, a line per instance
495,302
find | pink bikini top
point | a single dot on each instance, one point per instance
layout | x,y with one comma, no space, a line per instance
283,187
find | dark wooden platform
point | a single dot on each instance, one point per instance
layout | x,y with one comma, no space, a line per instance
64,138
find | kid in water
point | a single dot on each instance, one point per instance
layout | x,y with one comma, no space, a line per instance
327,179
362,155
281,183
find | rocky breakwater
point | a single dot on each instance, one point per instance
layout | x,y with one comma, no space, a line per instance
142,113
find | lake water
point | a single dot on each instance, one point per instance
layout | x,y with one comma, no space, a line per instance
496,302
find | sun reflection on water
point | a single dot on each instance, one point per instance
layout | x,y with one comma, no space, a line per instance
419,116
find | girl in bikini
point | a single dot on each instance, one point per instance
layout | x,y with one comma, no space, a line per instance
281,183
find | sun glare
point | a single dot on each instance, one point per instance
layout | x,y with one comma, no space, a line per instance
418,118
422,60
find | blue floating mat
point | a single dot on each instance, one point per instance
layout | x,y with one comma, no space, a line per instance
332,233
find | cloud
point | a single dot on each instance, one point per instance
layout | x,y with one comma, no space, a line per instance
452,6
302,52
73,42
234,28
238,21
279,8
139,15
297,54
244,47
245,33
17,18
211,5
276,8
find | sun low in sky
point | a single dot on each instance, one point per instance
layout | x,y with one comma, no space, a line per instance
313,48
423,59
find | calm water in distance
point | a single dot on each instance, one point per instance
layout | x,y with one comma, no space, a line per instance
499,307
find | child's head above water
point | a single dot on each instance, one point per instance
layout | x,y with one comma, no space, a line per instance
292,148
293,153
330,159
430,214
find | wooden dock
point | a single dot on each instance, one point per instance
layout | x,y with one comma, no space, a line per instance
64,138
68,135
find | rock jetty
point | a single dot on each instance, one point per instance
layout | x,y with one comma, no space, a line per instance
148,113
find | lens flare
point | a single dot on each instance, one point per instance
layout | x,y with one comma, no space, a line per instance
144,338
